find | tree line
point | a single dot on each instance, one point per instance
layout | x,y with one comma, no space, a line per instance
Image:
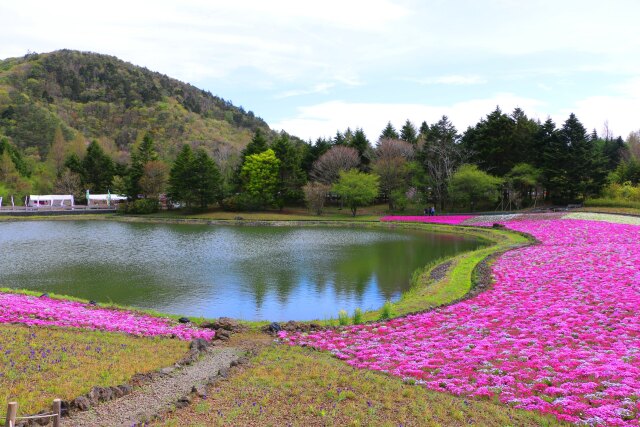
505,161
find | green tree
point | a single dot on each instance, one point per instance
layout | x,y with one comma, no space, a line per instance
523,184
357,188
260,177
257,145
586,170
291,178
10,176
471,186
206,179
97,169
408,133
360,142
181,179
389,132
16,157
140,156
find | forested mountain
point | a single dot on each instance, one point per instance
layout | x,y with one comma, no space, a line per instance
91,96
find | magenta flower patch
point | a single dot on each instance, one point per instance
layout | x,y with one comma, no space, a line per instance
35,311
559,332
449,219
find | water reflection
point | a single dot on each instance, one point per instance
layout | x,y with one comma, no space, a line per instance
274,273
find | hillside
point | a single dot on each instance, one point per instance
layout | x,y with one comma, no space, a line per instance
94,96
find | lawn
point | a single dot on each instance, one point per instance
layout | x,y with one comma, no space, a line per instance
40,364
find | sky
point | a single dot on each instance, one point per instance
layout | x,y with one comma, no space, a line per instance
313,68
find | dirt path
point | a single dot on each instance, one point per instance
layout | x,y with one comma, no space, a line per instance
159,395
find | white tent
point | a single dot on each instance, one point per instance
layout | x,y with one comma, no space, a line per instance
50,200
108,198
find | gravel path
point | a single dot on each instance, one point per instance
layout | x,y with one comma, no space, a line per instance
158,396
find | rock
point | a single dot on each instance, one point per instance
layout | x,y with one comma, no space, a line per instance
45,295
183,401
116,392
243,361
166,371
234,363
184,320
125,389
198,344
200,391
274,327
228,324
223,372
106,394
42,421
94,395
208,325
190,357
81,403
222,334
65,406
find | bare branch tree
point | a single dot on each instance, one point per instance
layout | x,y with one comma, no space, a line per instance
390,164
315,194
441,159
633,142
339,158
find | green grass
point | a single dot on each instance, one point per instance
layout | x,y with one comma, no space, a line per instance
41,364
370,213
295,386
612,203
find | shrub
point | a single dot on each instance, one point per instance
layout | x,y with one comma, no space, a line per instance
357,317
387,311
139,207
343,318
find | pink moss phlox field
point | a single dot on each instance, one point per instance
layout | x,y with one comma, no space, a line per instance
559,332
449,219
45,311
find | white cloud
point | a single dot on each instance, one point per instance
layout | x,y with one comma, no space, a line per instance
619,110
322,120
452,80
319,88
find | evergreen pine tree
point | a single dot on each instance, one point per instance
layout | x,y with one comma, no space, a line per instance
408,133
389,132
181,185
291,178
206,178
362,144
140,156
97,169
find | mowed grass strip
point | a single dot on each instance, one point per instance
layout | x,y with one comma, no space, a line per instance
41,364
295,386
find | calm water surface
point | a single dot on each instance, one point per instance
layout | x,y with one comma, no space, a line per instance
274,273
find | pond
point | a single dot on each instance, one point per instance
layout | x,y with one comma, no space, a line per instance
253,273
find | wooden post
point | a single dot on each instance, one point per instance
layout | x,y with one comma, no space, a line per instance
12,412
57,410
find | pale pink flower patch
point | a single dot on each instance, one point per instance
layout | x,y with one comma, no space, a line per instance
559,332
45,311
